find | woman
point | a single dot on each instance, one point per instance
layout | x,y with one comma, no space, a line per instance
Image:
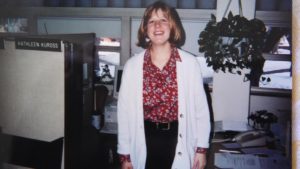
163,116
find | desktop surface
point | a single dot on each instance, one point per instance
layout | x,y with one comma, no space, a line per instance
220,155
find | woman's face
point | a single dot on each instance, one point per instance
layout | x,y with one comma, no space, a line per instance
158,28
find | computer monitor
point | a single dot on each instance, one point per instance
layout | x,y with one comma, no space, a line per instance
117,82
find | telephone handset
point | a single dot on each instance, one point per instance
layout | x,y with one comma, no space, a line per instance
251,138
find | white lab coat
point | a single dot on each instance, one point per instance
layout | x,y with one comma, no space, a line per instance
193,112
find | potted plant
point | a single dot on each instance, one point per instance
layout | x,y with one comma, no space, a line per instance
233,44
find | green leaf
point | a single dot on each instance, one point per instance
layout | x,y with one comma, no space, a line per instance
230,16
213,18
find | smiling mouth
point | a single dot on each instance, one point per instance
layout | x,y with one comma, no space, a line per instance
158,33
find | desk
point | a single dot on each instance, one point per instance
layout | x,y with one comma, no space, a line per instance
272,151
110,158
30,153
111,161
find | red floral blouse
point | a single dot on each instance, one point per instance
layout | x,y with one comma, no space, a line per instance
160,92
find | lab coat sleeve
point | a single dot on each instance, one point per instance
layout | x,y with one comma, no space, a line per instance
202,115
122,113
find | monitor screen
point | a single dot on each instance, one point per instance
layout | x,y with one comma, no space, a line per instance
118,78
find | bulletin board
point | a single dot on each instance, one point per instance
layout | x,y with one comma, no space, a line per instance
32,92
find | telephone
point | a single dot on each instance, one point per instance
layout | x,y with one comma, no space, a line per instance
252,138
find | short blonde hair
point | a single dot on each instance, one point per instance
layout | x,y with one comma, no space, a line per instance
177,34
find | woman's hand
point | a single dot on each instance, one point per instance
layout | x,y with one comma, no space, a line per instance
127,165
199,161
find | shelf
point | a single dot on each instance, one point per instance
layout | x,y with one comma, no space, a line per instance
260,91
277,57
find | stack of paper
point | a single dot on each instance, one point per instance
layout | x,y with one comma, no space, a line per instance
248,161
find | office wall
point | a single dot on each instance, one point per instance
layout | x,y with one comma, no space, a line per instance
103,27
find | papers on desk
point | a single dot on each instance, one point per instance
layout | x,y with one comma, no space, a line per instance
234,161
248,161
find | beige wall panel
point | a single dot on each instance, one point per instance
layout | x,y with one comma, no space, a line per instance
32,93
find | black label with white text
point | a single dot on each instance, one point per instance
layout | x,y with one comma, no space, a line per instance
38,44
